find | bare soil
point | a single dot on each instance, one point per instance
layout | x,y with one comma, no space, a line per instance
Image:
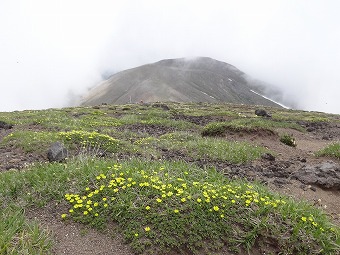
279,174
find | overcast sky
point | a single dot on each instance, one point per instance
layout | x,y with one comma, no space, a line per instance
51,50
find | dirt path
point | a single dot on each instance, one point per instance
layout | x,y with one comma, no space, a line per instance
74,238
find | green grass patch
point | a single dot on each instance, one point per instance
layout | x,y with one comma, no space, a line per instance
92,140
17,236
150,120
247,125
332,150
198,147
30,141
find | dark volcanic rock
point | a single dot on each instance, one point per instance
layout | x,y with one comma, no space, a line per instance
5,125
325,175
262,113
268,156
163,106
57,152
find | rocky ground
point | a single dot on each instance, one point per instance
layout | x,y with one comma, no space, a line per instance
293,171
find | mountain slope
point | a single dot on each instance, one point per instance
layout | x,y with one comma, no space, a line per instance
182,80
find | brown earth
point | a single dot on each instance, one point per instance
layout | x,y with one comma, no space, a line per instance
279,174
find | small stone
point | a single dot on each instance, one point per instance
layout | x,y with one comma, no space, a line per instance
268,156
57,152
303,187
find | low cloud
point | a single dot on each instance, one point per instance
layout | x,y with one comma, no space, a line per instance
54,50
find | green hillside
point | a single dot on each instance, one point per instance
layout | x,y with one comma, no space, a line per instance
155,176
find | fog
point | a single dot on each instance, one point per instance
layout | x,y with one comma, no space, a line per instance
52,51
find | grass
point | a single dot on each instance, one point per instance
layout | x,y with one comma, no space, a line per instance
19,236
159,206
332,150
288,140
163,206
199,147
90,139
30,141
247,125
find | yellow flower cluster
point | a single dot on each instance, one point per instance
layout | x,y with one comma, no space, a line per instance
155,191
88,138
310,220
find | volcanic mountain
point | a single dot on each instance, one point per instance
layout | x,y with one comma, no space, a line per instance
198,79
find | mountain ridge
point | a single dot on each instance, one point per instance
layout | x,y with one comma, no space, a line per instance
199,79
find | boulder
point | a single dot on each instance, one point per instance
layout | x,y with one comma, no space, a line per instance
262,113
268,156
5,125
57,152
325,175
160,105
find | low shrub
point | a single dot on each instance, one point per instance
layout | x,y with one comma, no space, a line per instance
332,150
288,140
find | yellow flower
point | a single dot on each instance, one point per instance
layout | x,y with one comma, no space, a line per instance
159,200
64,215
96,214
147,229
176,211
183,199
147,207
216,208
199,200
136,234
303,218
233,201
86,212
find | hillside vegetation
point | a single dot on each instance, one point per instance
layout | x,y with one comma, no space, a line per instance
154,174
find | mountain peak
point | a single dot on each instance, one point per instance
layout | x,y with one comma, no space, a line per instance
196,79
